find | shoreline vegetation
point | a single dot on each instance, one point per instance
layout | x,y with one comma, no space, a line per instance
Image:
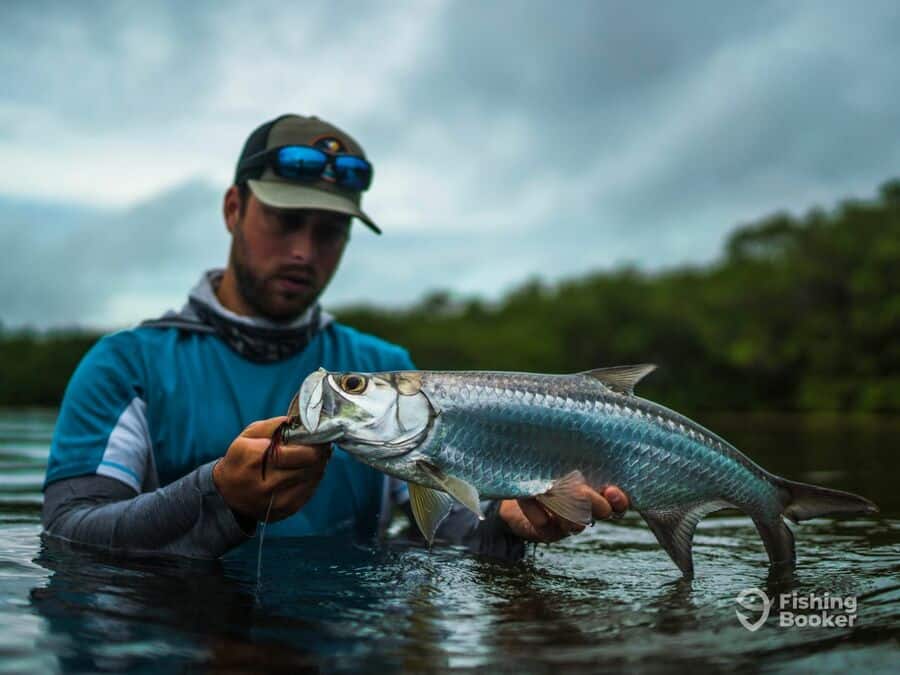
798,315
767,419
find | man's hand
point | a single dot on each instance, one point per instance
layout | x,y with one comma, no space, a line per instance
293,478
531,521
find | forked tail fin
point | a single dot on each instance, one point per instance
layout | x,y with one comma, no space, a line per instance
779,542
804,501
674,527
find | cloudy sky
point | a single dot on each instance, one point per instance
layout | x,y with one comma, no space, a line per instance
510,139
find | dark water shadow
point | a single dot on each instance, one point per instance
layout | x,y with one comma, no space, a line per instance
156,614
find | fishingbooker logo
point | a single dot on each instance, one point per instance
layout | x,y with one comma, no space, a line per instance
796,611
749,598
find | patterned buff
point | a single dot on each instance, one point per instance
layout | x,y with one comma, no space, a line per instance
255,339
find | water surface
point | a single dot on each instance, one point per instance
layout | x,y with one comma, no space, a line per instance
609,599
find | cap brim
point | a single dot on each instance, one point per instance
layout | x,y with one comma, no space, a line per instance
293,196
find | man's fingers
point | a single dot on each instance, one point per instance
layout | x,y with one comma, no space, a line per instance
542,520
264,428
546,527
600,507
289,498
281,478
302,456
535,514
617,499
612,503
288,456
292,472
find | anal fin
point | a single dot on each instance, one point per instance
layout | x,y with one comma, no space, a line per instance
429,508
674,529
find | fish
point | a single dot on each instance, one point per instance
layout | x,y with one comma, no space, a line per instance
468,436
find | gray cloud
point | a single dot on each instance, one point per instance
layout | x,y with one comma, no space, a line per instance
101,65
701,99
510,140
103,266
111,267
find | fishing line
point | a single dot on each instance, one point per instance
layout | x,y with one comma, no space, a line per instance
262,535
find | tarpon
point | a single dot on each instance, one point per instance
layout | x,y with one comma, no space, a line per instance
466,436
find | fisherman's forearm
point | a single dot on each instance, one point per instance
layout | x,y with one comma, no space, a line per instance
186,518
490,537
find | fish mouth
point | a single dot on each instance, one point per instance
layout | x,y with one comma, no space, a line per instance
310,399
309,403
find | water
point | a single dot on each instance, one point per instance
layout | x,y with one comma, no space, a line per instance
609,599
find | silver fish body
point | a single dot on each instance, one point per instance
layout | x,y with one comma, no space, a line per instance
480,434
514,434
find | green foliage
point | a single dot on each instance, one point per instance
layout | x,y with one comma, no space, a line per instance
800,313
34,368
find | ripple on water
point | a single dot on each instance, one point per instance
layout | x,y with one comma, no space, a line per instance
610,597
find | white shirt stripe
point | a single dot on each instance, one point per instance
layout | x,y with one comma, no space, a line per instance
128,453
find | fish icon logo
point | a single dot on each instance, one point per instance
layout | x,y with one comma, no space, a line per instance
749,598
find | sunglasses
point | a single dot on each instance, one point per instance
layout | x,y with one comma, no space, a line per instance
306,163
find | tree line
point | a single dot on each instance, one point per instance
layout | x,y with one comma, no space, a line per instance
799,313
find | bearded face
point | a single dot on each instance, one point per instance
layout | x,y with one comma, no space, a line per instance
283,260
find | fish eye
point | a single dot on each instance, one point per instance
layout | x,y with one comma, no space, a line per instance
353,384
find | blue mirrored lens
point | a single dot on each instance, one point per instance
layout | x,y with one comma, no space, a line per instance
352,172
298,162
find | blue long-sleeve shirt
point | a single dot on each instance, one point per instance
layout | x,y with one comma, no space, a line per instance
149,410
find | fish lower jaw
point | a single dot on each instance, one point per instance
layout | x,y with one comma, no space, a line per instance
380,457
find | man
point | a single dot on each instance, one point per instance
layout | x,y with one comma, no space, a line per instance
136,462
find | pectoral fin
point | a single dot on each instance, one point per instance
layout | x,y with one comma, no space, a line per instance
567,499
429,508
674,529
462,491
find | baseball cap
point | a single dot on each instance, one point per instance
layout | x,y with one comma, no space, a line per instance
283,193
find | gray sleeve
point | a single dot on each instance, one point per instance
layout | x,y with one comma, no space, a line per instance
490,537
186,518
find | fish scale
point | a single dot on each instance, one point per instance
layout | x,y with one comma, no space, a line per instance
472,435
616,442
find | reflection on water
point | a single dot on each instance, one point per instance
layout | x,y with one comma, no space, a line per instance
609,598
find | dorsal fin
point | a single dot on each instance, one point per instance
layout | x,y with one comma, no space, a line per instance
621,378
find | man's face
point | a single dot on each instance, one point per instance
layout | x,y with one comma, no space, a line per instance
283,259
